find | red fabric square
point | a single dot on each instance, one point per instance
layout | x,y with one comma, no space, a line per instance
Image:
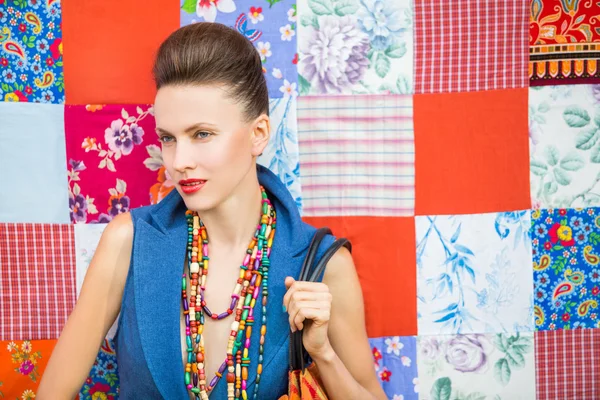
384,253
109,48
471,152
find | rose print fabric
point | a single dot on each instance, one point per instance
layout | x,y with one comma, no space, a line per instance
355,47
476,366
31,62
22,363
396,366
566,268
564,128
114,161
471,276
270,24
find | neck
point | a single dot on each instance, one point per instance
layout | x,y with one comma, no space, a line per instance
232,224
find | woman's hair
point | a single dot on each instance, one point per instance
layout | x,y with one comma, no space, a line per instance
213,54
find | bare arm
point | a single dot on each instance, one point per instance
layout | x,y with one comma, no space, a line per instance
347,370
96,310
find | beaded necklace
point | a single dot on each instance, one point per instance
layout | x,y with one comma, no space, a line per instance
254,272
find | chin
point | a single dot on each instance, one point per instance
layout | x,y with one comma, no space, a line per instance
198,203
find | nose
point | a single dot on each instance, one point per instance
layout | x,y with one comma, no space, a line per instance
184,158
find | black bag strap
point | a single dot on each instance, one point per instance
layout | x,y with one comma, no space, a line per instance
309,273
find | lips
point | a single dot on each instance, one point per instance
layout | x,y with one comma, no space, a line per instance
190,182
189,186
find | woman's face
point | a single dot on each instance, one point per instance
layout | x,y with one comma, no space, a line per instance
206,141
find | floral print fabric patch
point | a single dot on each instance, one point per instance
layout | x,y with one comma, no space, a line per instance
103,379
395,360
471,274
281,155
269,24
564,146
114,161
476,366
31,61
566,268
564,41
22,363
355,47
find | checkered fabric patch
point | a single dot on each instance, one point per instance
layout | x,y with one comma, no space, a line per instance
567,364
470,45
37,277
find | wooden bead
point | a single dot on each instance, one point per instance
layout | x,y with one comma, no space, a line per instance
230,377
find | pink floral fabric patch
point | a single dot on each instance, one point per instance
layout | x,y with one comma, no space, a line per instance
114,161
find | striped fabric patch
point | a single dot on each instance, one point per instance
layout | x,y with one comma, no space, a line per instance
567,364
356,155
37,280
470,45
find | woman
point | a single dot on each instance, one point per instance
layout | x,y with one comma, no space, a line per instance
151,265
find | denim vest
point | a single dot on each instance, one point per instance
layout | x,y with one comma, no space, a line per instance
148,341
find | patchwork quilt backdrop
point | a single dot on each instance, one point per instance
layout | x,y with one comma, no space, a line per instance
455,143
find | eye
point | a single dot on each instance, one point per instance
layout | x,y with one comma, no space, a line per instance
165,139
202,135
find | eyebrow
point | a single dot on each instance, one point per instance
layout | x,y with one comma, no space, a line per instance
188,130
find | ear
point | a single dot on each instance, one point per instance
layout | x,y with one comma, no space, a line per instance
261,133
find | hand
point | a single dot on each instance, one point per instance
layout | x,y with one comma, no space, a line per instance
309,307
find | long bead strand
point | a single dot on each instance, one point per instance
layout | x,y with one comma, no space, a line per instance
252,280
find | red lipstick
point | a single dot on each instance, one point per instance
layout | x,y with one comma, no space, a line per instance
189,186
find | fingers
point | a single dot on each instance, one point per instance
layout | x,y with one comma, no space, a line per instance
316,311
303,287
290,283
306,300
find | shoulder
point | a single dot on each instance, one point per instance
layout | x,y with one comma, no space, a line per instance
111,260
120,230
339,268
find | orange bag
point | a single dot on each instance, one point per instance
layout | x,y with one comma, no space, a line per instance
305,382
